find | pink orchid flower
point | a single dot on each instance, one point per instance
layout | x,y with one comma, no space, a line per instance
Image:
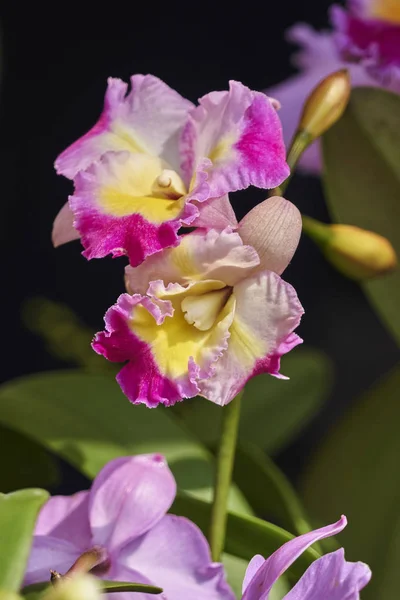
154,163
330,577
365,39
204,317
123,515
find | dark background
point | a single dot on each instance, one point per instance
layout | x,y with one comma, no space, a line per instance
55,63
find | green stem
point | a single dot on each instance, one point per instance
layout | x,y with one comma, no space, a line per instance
224,468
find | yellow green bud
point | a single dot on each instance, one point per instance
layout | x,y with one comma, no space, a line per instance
357,253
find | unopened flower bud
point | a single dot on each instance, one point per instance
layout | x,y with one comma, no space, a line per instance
273,228
326,104
357,253
79,587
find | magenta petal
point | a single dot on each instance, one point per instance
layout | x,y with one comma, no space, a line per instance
260,585
128,497
66,518
331,577
176,556
49,553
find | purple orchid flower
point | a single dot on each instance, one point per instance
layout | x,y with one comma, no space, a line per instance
330,577
154,162
123,517
365,39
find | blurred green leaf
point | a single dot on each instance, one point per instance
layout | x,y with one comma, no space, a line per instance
356,472
35,591
87,420
26,463
18,513
362,181
273,411
246,535
268,491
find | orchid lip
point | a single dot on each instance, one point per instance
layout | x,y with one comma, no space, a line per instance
202,310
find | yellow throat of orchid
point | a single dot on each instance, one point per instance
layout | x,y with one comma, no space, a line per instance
386,10
143,185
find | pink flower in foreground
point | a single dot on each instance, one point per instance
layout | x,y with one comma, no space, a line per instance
154,162
204,317
123,515
330,577
365,39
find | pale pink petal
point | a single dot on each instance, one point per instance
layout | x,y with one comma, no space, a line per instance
63,227
331,577
140,379
273,228
261,583
199,256
317,59
216,213
66,518
236,138
146,120
128,497
267,312
176,556
49,553
116,214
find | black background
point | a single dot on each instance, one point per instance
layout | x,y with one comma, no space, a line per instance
55,62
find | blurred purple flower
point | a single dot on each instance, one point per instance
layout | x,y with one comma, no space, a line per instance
124,516
365,39
330,577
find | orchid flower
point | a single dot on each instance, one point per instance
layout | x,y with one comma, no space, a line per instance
204,317
365,39
123,519
154,163
330,577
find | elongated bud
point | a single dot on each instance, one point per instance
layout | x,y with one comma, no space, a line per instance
326,104
79,587
357,253
273,228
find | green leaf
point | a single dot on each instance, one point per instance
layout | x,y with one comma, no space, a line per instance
362,181
18,513
268,491
246,535
273,411
27,463
356,472
87,420
35,591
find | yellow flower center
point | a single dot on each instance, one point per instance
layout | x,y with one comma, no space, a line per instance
386,10
202,311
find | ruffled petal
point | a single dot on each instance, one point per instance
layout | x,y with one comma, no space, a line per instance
236,138
267,312
331,577
49,553
128,497
273,228
371,41
200,255
66,518
63,227
176,556
116,213
146,120
140,379
261,583
317,59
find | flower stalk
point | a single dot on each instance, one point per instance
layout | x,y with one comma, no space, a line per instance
223,476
